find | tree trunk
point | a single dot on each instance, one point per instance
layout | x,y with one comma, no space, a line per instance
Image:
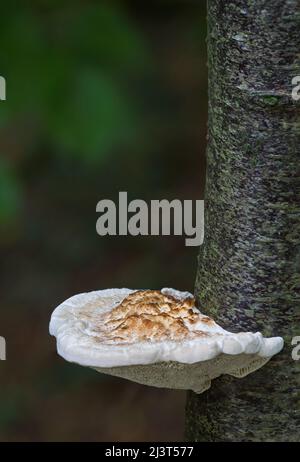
249,264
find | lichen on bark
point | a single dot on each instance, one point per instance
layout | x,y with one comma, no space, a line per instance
248,268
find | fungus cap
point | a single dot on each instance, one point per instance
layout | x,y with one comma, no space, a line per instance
154,337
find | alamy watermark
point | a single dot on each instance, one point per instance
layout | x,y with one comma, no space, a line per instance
2,89
2,349
296,349
160,217
296,88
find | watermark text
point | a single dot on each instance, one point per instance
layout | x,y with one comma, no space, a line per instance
296,349
296,88
160,217
2,349
2,89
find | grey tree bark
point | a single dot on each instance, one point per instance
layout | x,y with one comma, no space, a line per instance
249,265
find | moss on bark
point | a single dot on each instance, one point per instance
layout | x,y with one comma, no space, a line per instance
249,265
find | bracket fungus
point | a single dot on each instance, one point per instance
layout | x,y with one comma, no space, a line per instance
154,337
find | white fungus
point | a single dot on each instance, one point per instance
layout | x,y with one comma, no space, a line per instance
154,337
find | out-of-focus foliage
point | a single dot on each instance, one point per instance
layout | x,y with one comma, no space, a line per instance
102,97
93,118
9,193
65,68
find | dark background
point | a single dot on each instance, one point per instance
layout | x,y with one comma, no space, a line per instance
102,97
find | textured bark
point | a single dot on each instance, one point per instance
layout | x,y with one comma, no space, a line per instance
249,264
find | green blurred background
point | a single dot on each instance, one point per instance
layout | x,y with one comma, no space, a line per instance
102,97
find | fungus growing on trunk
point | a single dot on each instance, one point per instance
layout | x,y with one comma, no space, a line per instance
154,337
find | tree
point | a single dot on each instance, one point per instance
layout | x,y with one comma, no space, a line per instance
248,270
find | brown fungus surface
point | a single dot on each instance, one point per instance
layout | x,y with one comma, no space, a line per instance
147,315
